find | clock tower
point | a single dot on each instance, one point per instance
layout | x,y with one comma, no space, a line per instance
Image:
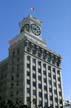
31,25
34,71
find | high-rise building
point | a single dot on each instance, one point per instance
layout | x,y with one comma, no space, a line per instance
31,73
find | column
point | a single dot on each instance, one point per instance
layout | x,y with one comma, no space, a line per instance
24,77
42,84
47,84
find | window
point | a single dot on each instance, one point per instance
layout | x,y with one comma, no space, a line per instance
28,65
50,89
11,94
28,58
40,94
12,77
54,84
13,53
34,68
49,67
40,103
55,92
51,98
60,93
44,65
53,69
34,92
40,86
17,83
39,78
34,84
18,59
28,81
17,75
28,90
12,68
58,71
45,96
60,101
39,70
49,74
34,101
17,92
54,77
34,60
28,73
45,80
58,78
39,63
12,85
59,85
44,72
28,99
18,51
56,106
50,82
56,99
34,75
45,87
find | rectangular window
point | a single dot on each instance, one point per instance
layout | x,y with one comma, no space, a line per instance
45,96
39,70
28,90
34,76
55,92
54,84
58,78
34,92
53,69
45,80
58,72
28,73
28,58
34,60
34,68
50,82
49,75
50,89
40,94
40,86
34,84
44,72
54,77
51,98
39,78
28,65
45,88
28,81
60,93
49,67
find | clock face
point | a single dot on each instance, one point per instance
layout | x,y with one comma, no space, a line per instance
25,28
35,29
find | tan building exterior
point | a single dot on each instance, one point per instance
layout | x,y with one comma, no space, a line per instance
32,73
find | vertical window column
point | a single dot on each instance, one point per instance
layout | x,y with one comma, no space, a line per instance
25,83
57,87
31,88
37,99
47,84
42,84
52,87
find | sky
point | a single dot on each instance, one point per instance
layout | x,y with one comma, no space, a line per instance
56,29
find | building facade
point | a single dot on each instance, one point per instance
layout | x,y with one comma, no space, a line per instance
32,73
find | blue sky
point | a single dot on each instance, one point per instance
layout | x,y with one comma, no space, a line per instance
56,29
